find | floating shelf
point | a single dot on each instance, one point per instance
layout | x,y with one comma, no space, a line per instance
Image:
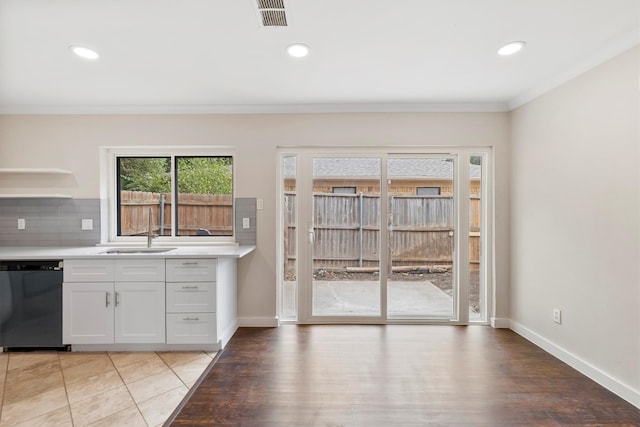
35,196
50,171
35,171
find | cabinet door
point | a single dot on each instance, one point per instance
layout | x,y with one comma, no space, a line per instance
139,312
87,313
191,297
191,328
191,270
89,270
140,270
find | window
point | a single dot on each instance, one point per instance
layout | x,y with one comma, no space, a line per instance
182,195
344,190
427,191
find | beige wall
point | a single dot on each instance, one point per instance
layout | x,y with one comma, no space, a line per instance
576,246
72,142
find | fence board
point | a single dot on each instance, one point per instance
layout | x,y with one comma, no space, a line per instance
420,231
195,211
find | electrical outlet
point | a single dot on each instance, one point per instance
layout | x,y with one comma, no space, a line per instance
557,315
259,204
22,224
87,224
246,223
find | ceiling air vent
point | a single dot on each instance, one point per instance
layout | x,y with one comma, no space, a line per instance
271,13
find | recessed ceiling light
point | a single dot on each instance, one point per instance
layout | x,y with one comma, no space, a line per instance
511,48
298,50
84,52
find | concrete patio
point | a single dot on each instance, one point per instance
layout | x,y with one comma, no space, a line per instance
361,298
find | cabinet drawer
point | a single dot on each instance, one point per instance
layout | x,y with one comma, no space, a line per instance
140,270
89,270
191,297
191,270
191,328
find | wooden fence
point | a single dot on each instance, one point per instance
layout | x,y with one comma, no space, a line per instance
421,231
213,213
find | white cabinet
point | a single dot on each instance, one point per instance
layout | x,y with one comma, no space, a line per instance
139,270
87,313
191,270
99,307
150,303
191,301
139,312
191,328
89,270
191,297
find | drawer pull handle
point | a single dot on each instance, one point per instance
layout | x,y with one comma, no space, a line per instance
190,287
106,295
117,298
191,318
190,263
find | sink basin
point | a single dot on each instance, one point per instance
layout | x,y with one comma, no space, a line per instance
137,250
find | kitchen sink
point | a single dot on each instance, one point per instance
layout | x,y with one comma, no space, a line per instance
143,250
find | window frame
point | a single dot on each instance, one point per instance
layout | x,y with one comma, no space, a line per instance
429,188
352,189
109,192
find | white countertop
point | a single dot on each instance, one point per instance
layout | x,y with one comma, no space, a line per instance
11,253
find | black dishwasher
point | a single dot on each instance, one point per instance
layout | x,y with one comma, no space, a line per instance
30,304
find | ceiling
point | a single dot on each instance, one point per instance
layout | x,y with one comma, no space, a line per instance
199,56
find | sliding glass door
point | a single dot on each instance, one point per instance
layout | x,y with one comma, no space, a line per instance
375,237
421,230
345,237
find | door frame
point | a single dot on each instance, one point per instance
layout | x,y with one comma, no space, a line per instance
461,237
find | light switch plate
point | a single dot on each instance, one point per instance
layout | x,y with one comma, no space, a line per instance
87,224
22,224
246,223
259,204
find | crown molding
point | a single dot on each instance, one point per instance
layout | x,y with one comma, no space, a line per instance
453,107
611,50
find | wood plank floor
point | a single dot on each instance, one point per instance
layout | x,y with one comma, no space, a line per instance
395,375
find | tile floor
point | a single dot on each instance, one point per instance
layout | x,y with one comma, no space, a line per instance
95,389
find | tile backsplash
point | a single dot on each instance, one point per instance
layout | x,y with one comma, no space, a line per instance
245,209
49,222
58,222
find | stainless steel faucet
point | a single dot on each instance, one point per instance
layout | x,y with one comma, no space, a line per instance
150,235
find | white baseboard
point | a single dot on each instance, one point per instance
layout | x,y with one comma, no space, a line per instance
624,391
500,322
228,333
145,347
258,322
